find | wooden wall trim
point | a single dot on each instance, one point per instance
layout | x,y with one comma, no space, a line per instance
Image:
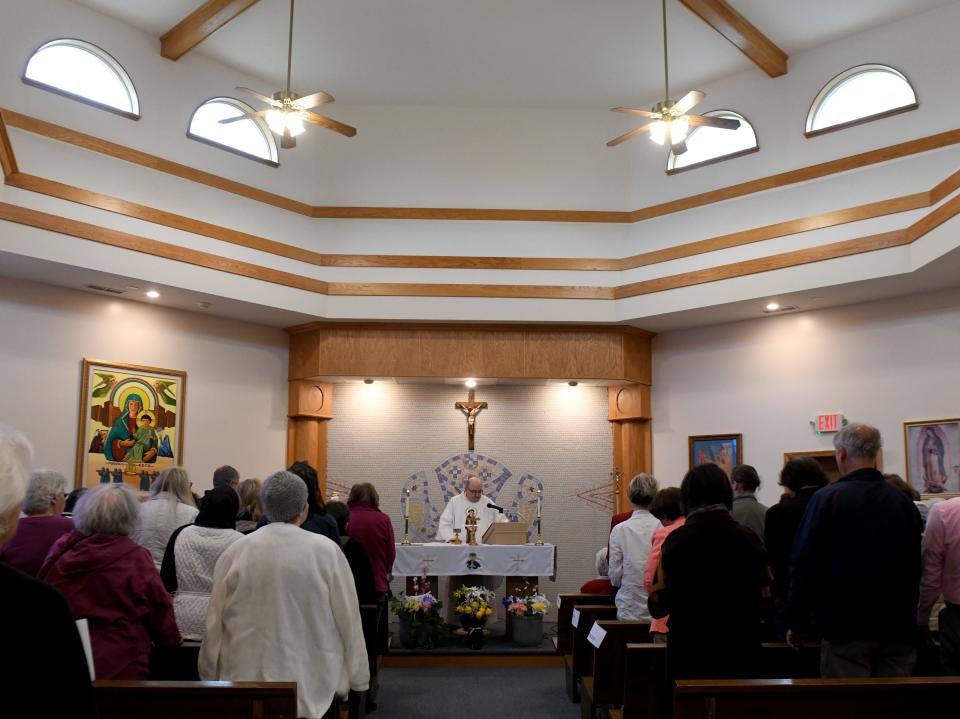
137,211
526,328
199,25
743,34
95,233
782,179
8,160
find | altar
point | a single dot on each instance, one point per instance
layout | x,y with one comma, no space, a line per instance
439,559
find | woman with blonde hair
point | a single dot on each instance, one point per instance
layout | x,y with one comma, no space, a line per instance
171,505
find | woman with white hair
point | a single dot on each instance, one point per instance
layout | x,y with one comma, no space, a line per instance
630,546
42,525
170,506
111,581
284,607
39,634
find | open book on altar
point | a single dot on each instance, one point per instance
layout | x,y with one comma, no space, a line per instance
506,533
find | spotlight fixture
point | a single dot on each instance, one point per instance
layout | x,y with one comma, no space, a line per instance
471,383
573,383
368,381
152,294
773,306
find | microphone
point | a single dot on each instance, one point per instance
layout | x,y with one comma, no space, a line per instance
491,505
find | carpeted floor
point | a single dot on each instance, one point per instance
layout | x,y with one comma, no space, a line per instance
525,693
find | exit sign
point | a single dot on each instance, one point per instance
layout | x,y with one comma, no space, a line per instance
831,422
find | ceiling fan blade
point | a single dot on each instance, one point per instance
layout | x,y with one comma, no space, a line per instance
317,98
641,113
629,135
687,102
264,98
722,123
244,116
679,148
330,124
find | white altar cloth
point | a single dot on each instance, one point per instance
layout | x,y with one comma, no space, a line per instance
438,559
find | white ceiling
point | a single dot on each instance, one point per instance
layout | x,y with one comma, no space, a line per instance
507,53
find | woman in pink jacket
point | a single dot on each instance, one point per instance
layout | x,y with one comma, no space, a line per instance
667,508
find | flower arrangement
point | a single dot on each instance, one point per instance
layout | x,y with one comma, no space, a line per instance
531,605
474,605
420,622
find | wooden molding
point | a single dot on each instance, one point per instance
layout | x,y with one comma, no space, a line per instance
199,25
8,160
742,33
861,120
310,398
410,289
629,402
626,330
783,179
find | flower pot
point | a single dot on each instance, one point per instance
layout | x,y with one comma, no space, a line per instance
406,636
528,630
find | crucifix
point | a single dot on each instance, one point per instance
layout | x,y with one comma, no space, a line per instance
471,408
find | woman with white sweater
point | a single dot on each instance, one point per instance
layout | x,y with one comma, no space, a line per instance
171,505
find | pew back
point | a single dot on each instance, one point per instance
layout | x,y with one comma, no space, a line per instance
117,699
565,605
608,658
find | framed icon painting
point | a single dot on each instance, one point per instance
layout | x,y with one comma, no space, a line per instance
932,451
725,450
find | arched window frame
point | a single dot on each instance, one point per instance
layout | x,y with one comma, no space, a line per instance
258,121
102,55
671,158
838,80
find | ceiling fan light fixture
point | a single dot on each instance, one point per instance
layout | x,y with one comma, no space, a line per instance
280,121
679,129
658,131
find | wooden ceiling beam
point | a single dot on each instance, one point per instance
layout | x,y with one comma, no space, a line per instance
719,15
199,25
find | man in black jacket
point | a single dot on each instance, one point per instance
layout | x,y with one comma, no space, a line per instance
713,581
856,566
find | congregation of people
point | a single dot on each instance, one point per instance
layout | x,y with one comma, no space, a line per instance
857,565
265,575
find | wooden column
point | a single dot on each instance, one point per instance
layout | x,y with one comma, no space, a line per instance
310,409
630,419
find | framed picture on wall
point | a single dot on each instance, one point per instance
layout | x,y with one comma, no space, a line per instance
131,423
932,451
725,450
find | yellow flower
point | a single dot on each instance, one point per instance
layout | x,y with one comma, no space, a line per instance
489,611
467,610
475,605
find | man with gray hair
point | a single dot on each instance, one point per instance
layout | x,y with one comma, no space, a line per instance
630,545
290,594
855,566
42,525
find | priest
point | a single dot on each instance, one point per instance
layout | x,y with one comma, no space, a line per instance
455,513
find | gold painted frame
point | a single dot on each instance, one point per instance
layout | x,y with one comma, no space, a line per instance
162,396
949,460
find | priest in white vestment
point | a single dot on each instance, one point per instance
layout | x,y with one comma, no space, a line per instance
455,513
284,608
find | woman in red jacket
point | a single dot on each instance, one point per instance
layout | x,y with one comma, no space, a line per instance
111,581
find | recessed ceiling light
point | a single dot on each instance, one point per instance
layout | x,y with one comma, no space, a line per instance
773,306
573,383
152,294
204,305
368,381
471,383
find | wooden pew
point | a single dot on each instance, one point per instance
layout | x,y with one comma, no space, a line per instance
805,698
175,663
195,700
565,605
580,659
604,685
646,692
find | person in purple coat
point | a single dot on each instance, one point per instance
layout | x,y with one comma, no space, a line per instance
42,525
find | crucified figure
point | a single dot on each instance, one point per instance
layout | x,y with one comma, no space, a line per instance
471,408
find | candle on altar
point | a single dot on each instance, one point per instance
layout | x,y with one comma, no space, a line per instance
539,502
406,502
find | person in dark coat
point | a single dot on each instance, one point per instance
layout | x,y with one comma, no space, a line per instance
800,478
713,582
40,638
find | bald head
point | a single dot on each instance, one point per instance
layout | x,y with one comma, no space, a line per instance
473,489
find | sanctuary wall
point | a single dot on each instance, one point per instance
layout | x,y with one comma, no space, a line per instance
236,392
385,432
883,363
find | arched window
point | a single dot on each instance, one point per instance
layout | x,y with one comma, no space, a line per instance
250,137
84,72
860,94
706,145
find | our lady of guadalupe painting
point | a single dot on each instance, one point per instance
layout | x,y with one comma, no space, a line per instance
933,456
131,423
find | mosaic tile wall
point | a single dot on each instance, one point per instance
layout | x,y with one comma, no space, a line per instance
385,433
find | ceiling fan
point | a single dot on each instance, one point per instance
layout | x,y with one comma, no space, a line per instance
669,117
288,110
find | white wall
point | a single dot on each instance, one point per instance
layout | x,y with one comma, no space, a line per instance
385,432
236,400
883,363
